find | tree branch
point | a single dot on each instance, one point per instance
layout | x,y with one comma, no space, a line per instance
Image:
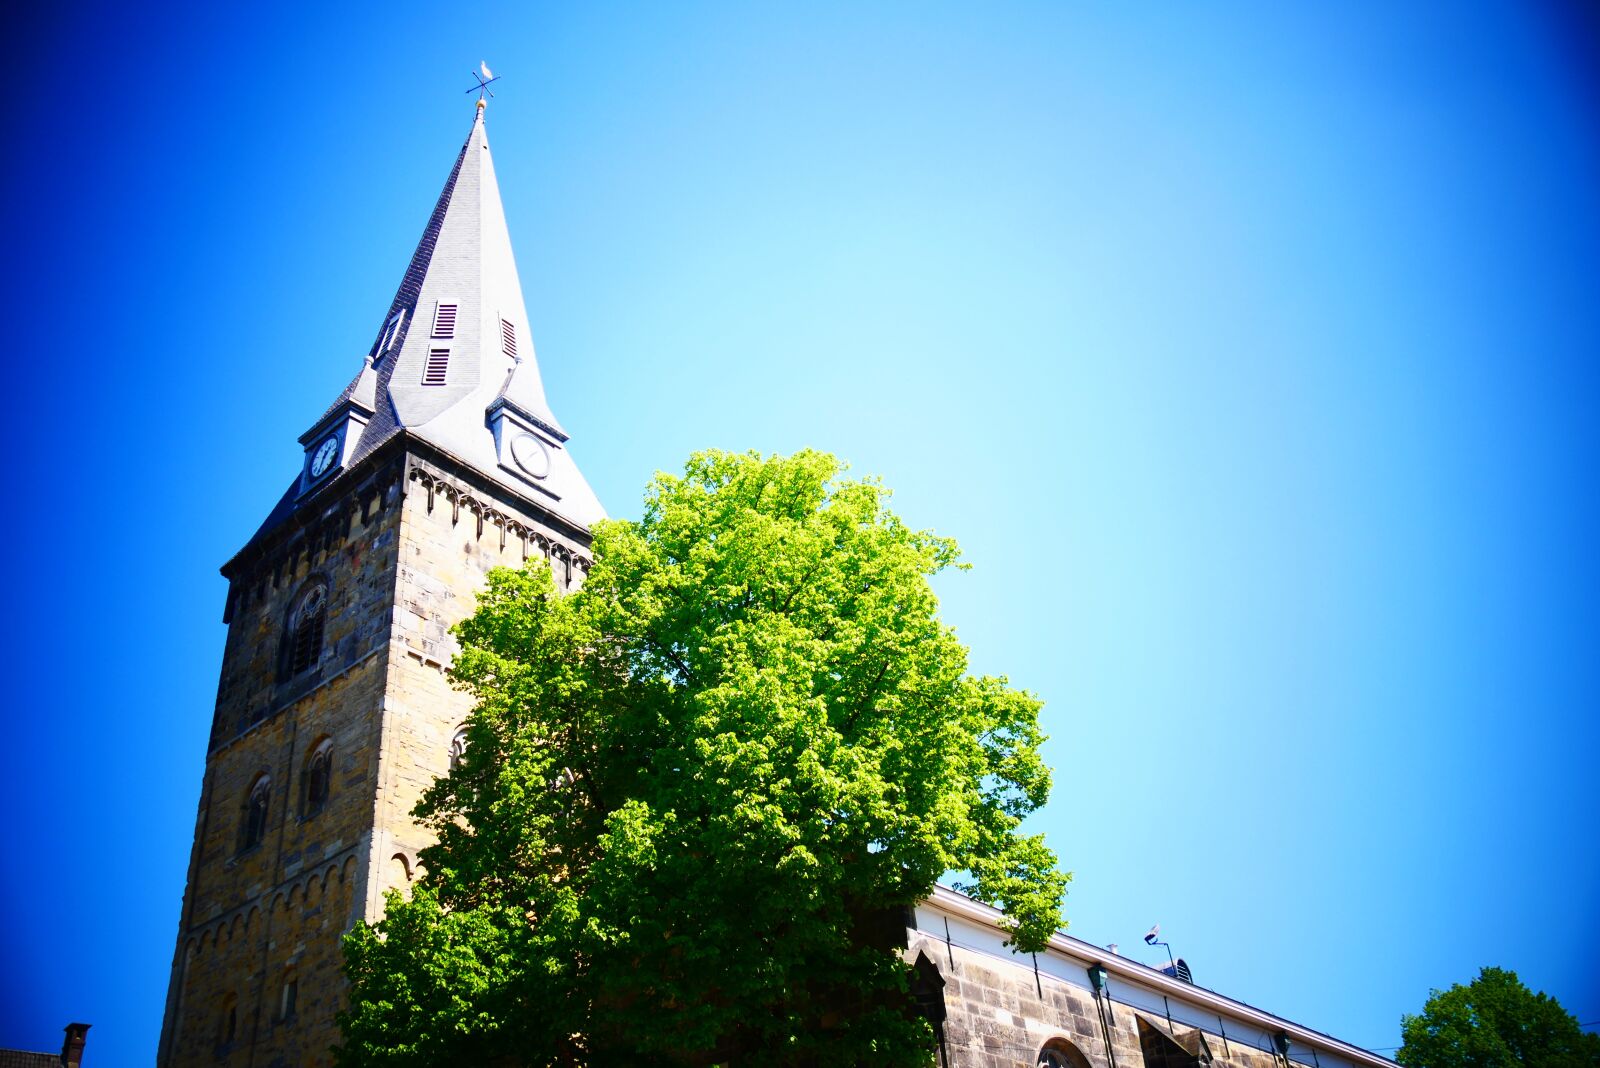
683,669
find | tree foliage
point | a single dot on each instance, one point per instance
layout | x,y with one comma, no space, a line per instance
1495,1022
693,789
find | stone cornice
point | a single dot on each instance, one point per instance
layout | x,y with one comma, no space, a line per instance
224,923
325,516
442,489
486,492
281,702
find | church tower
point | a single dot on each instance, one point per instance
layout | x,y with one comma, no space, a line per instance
439,461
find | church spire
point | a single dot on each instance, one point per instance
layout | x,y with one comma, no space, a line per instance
453,363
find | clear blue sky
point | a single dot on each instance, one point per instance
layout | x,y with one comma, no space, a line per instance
1250,353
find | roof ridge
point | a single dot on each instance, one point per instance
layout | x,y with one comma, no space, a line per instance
417,269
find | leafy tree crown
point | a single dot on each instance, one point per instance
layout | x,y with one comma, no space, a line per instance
693,789
1495,1022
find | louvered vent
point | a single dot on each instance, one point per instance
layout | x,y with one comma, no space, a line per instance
444,320
508,338
438,367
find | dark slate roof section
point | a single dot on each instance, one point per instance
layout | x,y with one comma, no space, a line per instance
383,425
350,393
16,1058
411,284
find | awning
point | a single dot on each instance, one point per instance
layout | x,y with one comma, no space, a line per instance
1177,1046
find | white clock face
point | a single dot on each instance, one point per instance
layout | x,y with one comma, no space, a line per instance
323,458
530,455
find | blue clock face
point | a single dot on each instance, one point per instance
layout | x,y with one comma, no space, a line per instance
322,459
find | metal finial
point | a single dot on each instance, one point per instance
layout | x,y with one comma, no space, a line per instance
484,80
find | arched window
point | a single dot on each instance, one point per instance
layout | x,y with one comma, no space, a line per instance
288,994
458,747
302,638
228,1022
1059,1053
255,813
927,993
318,777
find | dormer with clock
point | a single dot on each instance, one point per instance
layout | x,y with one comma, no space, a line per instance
331,441
453,365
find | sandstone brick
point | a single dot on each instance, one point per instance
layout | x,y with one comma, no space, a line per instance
261,920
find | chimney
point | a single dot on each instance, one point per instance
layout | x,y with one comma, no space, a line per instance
72,1048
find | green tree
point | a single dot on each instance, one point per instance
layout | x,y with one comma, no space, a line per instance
1495,1022
694,789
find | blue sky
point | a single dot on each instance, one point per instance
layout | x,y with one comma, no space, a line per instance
1250,354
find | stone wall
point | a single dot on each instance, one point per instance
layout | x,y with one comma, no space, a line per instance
259,917
452,534
257,973
1006,1010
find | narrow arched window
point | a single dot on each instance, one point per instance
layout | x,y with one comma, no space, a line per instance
255,813
228,1022
318,777
302,638
458,748
288,994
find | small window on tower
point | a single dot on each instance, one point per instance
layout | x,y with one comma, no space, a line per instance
318,777
227,1022
255,814
458,747
391,334
438,367
289,995
444,320
508,338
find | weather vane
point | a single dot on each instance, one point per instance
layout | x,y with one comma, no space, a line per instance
484,80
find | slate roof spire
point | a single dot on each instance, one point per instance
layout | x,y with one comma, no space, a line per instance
453,362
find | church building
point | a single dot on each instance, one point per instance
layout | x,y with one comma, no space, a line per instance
441,460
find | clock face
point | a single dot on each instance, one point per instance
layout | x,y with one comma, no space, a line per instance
322,459
530,455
